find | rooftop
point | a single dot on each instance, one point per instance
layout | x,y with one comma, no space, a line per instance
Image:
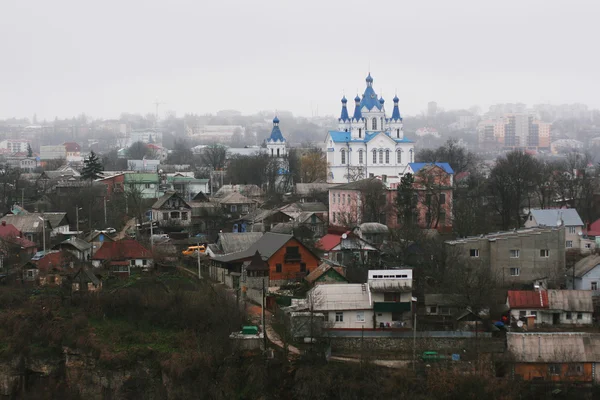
503,235
569,216
554,347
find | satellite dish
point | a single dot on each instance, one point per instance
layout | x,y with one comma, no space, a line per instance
344,236
580,233
520,324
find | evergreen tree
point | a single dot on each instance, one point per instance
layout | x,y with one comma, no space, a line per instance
29,151
92,167
406,200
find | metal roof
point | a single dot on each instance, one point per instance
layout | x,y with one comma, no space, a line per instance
569,216
343,137
528,299
267,245
27,223
554,347
585,265
79,244
235,198
340,297
571,300
373,227
233,242
416,167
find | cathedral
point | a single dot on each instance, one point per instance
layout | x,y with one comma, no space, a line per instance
368,143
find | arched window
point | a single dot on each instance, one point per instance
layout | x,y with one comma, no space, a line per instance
360,156
277,152
359,133
399,156
343,156
374,124
271,152
381,120
374,156
366,128
398,133
387,156
346,130
380,156
410,155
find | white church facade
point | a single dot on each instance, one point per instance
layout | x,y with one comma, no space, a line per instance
368,144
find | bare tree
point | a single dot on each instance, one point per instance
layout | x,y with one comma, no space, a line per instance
214,156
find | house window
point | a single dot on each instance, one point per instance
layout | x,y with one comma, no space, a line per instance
554,369
292,254
569,244
442,198
391,297
174,214
534,313
343,199
522,314
387,156
302,267
360,156
244,208
514,253
588,245
132,263
571,229
594,286
374,156
339,317
474,252
399,156
515,272
277,267
233,208
433,310
339,196
333,216
144,262
343,153
544,253
184,216
380,156
30,273
575,369
411,154
569,315
360,316
165,216
445,310
579,315
147,186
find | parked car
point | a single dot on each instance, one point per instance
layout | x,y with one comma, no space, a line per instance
111,230
193,249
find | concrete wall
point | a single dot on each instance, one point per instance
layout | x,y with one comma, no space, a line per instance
546,317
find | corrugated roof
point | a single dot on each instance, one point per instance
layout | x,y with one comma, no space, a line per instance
141,178
56,219
585,265
27,223
373,227
571,300
340,297
554,347
233,242
343,137
569,216
322,269
328,241
305,189
416,167
283,227
79,244
528,299
246,190
235,198
122,250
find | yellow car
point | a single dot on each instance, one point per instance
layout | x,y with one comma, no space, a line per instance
190,251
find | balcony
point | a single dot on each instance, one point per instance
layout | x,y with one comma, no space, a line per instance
394,307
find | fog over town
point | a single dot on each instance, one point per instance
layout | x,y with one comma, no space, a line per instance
313,200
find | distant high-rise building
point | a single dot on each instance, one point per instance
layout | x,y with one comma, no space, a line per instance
514,131
431,109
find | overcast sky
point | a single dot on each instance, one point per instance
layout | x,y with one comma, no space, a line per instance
64,57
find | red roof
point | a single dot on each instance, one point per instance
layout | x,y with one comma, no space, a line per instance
56,260
11,234
328,241
126,249
72,147
594,229
527,299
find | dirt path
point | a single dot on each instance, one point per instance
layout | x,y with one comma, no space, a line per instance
123,233
272,335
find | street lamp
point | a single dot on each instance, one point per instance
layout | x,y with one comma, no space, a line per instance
43,232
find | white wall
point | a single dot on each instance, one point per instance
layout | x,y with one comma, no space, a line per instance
350,319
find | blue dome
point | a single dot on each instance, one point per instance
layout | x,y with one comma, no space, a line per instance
275,120
396,99
381,100
369,78
344,100
357,99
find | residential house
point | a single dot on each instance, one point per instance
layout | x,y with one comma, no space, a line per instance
32,226
85,280
96,239
81,249
312,192
574,238
373,232
585,275
551,307
29,272
250,191
114,183
261,220
327,273
123,256
24,163
58,221
236,204
207,217
287,257
391,293
347,202
73,186
73,152
347,248
232,242
146,184
523,256
345,306
54,266
556,356
187,187
14,245
442,310
294,210
143,166
171,210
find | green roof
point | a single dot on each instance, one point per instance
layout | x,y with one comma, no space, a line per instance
141,178
249,330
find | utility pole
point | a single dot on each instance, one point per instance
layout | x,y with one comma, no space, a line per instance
415,336
77,218
198,253
105,212
263,316
151,231
23,197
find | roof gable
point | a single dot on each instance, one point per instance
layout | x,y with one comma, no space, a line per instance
569,216
127,249
170,197
416,167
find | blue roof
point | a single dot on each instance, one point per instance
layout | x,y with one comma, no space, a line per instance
416,167
344,116
276,135
344,100
381,100
369,78
370,99
396,113
343,137
396,99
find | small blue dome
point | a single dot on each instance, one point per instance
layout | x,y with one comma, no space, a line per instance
344,100
357,99
396,99
275,120
381,100
369,78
